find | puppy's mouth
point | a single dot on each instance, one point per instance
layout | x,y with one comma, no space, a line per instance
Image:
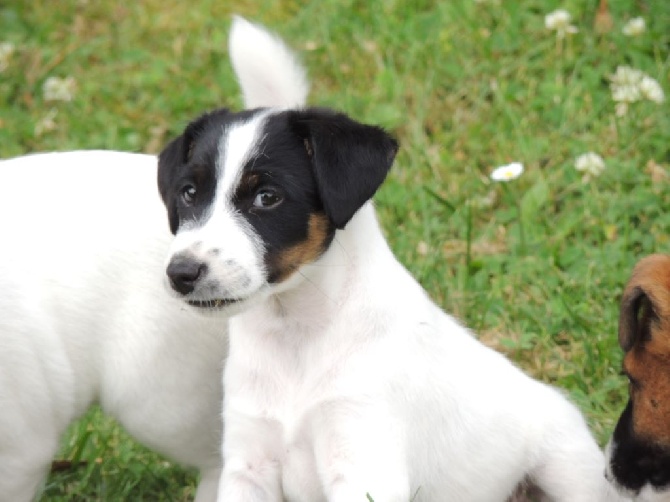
214,304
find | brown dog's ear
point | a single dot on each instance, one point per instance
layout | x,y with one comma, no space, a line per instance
635,317
645,300
350,160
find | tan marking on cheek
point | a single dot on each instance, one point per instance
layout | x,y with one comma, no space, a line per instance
307,251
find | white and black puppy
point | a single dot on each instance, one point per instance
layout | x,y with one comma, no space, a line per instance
84,316
344,381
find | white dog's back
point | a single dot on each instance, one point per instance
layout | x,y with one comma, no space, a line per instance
84,316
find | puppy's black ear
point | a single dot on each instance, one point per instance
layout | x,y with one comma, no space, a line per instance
635,318
350,159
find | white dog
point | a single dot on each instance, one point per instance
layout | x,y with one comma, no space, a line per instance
344,381
84,316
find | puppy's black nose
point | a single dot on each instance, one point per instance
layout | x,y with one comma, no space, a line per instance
184,272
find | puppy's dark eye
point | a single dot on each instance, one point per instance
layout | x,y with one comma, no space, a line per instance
188,193
267,198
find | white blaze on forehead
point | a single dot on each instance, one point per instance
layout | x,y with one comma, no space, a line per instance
237,145
219,226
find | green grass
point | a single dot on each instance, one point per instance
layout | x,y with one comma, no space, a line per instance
466,87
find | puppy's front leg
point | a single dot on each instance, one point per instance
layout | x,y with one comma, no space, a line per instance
252,470
360,454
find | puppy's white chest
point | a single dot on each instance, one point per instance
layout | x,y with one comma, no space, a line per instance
281,392
300,479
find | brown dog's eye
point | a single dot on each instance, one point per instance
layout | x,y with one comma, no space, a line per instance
188,194
633,384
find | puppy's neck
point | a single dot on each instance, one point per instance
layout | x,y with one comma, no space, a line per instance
319,290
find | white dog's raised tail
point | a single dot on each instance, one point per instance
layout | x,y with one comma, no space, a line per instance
269,74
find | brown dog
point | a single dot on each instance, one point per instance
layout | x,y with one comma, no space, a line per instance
639,451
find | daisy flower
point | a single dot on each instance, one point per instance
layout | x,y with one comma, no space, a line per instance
507,172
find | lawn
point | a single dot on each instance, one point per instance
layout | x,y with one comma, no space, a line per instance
534,265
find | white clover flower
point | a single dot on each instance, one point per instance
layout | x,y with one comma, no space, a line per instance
507,172
625,75
59,89
629,85
46,123
591,164
634,27
625,87
6,51
651,89
559,21
626,94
